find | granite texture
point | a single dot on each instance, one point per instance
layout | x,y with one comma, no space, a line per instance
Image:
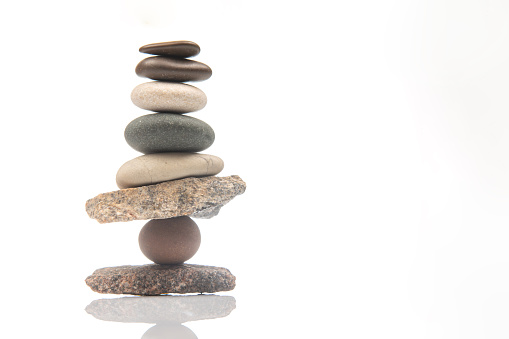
168,97
167,132
162,309
161,279
173,69
180,49
195,197
207,213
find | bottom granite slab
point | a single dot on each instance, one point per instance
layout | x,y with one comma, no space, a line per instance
161,279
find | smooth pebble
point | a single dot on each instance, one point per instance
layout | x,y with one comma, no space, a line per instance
154,168
167,132
170,241
173,69
168,97
180,49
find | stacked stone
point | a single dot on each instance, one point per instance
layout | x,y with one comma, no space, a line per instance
169,140
169,183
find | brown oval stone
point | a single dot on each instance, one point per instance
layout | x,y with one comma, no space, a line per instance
173,69
179,49
170,241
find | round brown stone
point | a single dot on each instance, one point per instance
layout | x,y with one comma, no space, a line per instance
170,241
173,69
179,49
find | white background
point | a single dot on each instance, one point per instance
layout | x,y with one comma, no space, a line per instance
371,134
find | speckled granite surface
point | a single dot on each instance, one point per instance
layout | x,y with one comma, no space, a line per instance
195,197
161,279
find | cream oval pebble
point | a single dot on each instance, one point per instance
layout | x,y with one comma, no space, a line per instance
154,168
168,97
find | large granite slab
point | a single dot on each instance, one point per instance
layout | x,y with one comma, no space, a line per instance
195,197
161,279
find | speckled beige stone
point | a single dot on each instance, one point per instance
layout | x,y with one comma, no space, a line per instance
154,168
195,197
168,97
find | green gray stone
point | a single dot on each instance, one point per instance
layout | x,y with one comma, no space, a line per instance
168,132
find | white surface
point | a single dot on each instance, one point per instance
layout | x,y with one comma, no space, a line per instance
371,134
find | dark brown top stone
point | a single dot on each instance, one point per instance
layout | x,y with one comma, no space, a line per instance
173,69
161,279
162,309
195,197
179,49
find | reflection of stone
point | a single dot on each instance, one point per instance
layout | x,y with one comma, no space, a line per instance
161,279
162,309
167,331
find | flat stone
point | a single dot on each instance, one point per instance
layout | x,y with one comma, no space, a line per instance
173,69
155,168
180,49
190,196
162,309
161,279
168,132
168,97
170,241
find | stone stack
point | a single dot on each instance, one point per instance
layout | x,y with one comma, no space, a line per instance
169,183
